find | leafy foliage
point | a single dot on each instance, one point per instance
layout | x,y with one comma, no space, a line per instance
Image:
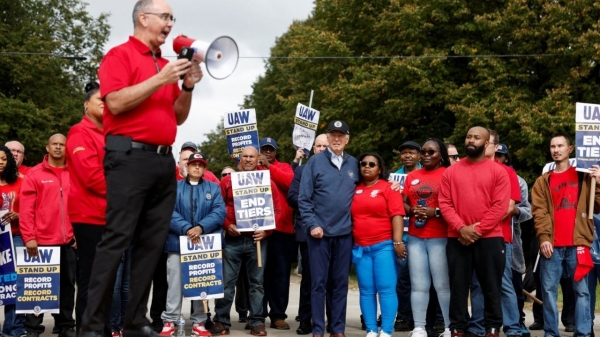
40,94
516,66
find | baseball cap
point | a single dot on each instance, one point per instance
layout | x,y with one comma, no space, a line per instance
197,158
189,145
502,149
338,125
268,141
409,144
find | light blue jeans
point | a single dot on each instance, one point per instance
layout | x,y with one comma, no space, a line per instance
14,325
376,273
510,310
427,261
550,272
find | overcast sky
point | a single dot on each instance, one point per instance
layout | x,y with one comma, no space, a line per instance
253,24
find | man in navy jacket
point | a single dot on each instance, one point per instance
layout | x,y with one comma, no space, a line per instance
324,201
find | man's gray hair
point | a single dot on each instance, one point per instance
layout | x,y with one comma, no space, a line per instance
140,7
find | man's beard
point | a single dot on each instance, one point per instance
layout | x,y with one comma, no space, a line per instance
476,152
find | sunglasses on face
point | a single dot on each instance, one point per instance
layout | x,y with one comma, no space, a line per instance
428,152
370,163
225,174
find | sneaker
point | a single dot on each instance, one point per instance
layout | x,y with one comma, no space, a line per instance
383,334
418,332
258,330
402,325
524,331
219,329
492,332
168,329
372,334
456,333
33,334
537,326
279,324
570,328
115,334
446,333
198,329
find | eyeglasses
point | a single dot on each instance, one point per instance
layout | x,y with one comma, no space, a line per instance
163,16
370,163
225,174
428,152
453,156
17,151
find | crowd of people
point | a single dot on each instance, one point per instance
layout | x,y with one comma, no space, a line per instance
114,200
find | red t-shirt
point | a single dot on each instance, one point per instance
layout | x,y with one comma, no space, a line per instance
372,210
564,187
423,184
9,200
152,121
58,171
515,194
23,169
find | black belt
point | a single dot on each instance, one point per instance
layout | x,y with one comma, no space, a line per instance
160,149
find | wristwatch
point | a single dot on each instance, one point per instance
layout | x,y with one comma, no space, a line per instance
437,213
184,88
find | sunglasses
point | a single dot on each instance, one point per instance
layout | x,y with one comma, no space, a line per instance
370,163
453,156
225,174
427,152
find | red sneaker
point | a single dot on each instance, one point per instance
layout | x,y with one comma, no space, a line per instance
168,329
198,329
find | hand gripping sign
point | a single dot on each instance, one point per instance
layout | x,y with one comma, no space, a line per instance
241,131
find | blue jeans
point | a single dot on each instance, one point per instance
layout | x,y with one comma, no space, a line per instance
120,293
510,310
14,325
428,261
238,250
376,273
551,271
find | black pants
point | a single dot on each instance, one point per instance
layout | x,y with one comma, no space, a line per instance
88,237
304,308
487,258
517,281
281,252
140,195
159,292
66,303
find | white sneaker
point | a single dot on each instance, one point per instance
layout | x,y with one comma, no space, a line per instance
418,332
383,334
446,333
372,334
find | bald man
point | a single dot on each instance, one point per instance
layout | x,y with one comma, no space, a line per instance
18,151
474,198
44,221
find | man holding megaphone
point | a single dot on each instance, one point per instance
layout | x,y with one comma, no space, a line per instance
143,106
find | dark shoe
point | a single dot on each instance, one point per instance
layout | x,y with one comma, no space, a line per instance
439,327
90,334
570,328
145,331
247,326
219,329
304,328
33,334
402,325
69,332
55,330
243,319
537,326
456,333
279,324
297,318
472,334
258,330
492,332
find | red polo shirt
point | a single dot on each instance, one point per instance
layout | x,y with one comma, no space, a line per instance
152,121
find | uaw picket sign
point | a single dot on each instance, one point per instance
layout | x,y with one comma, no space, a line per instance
400,178
202,267
305,127
240,130
587,135
253,201
38,281
8,274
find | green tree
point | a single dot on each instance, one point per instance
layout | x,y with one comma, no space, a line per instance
442,66
42,94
